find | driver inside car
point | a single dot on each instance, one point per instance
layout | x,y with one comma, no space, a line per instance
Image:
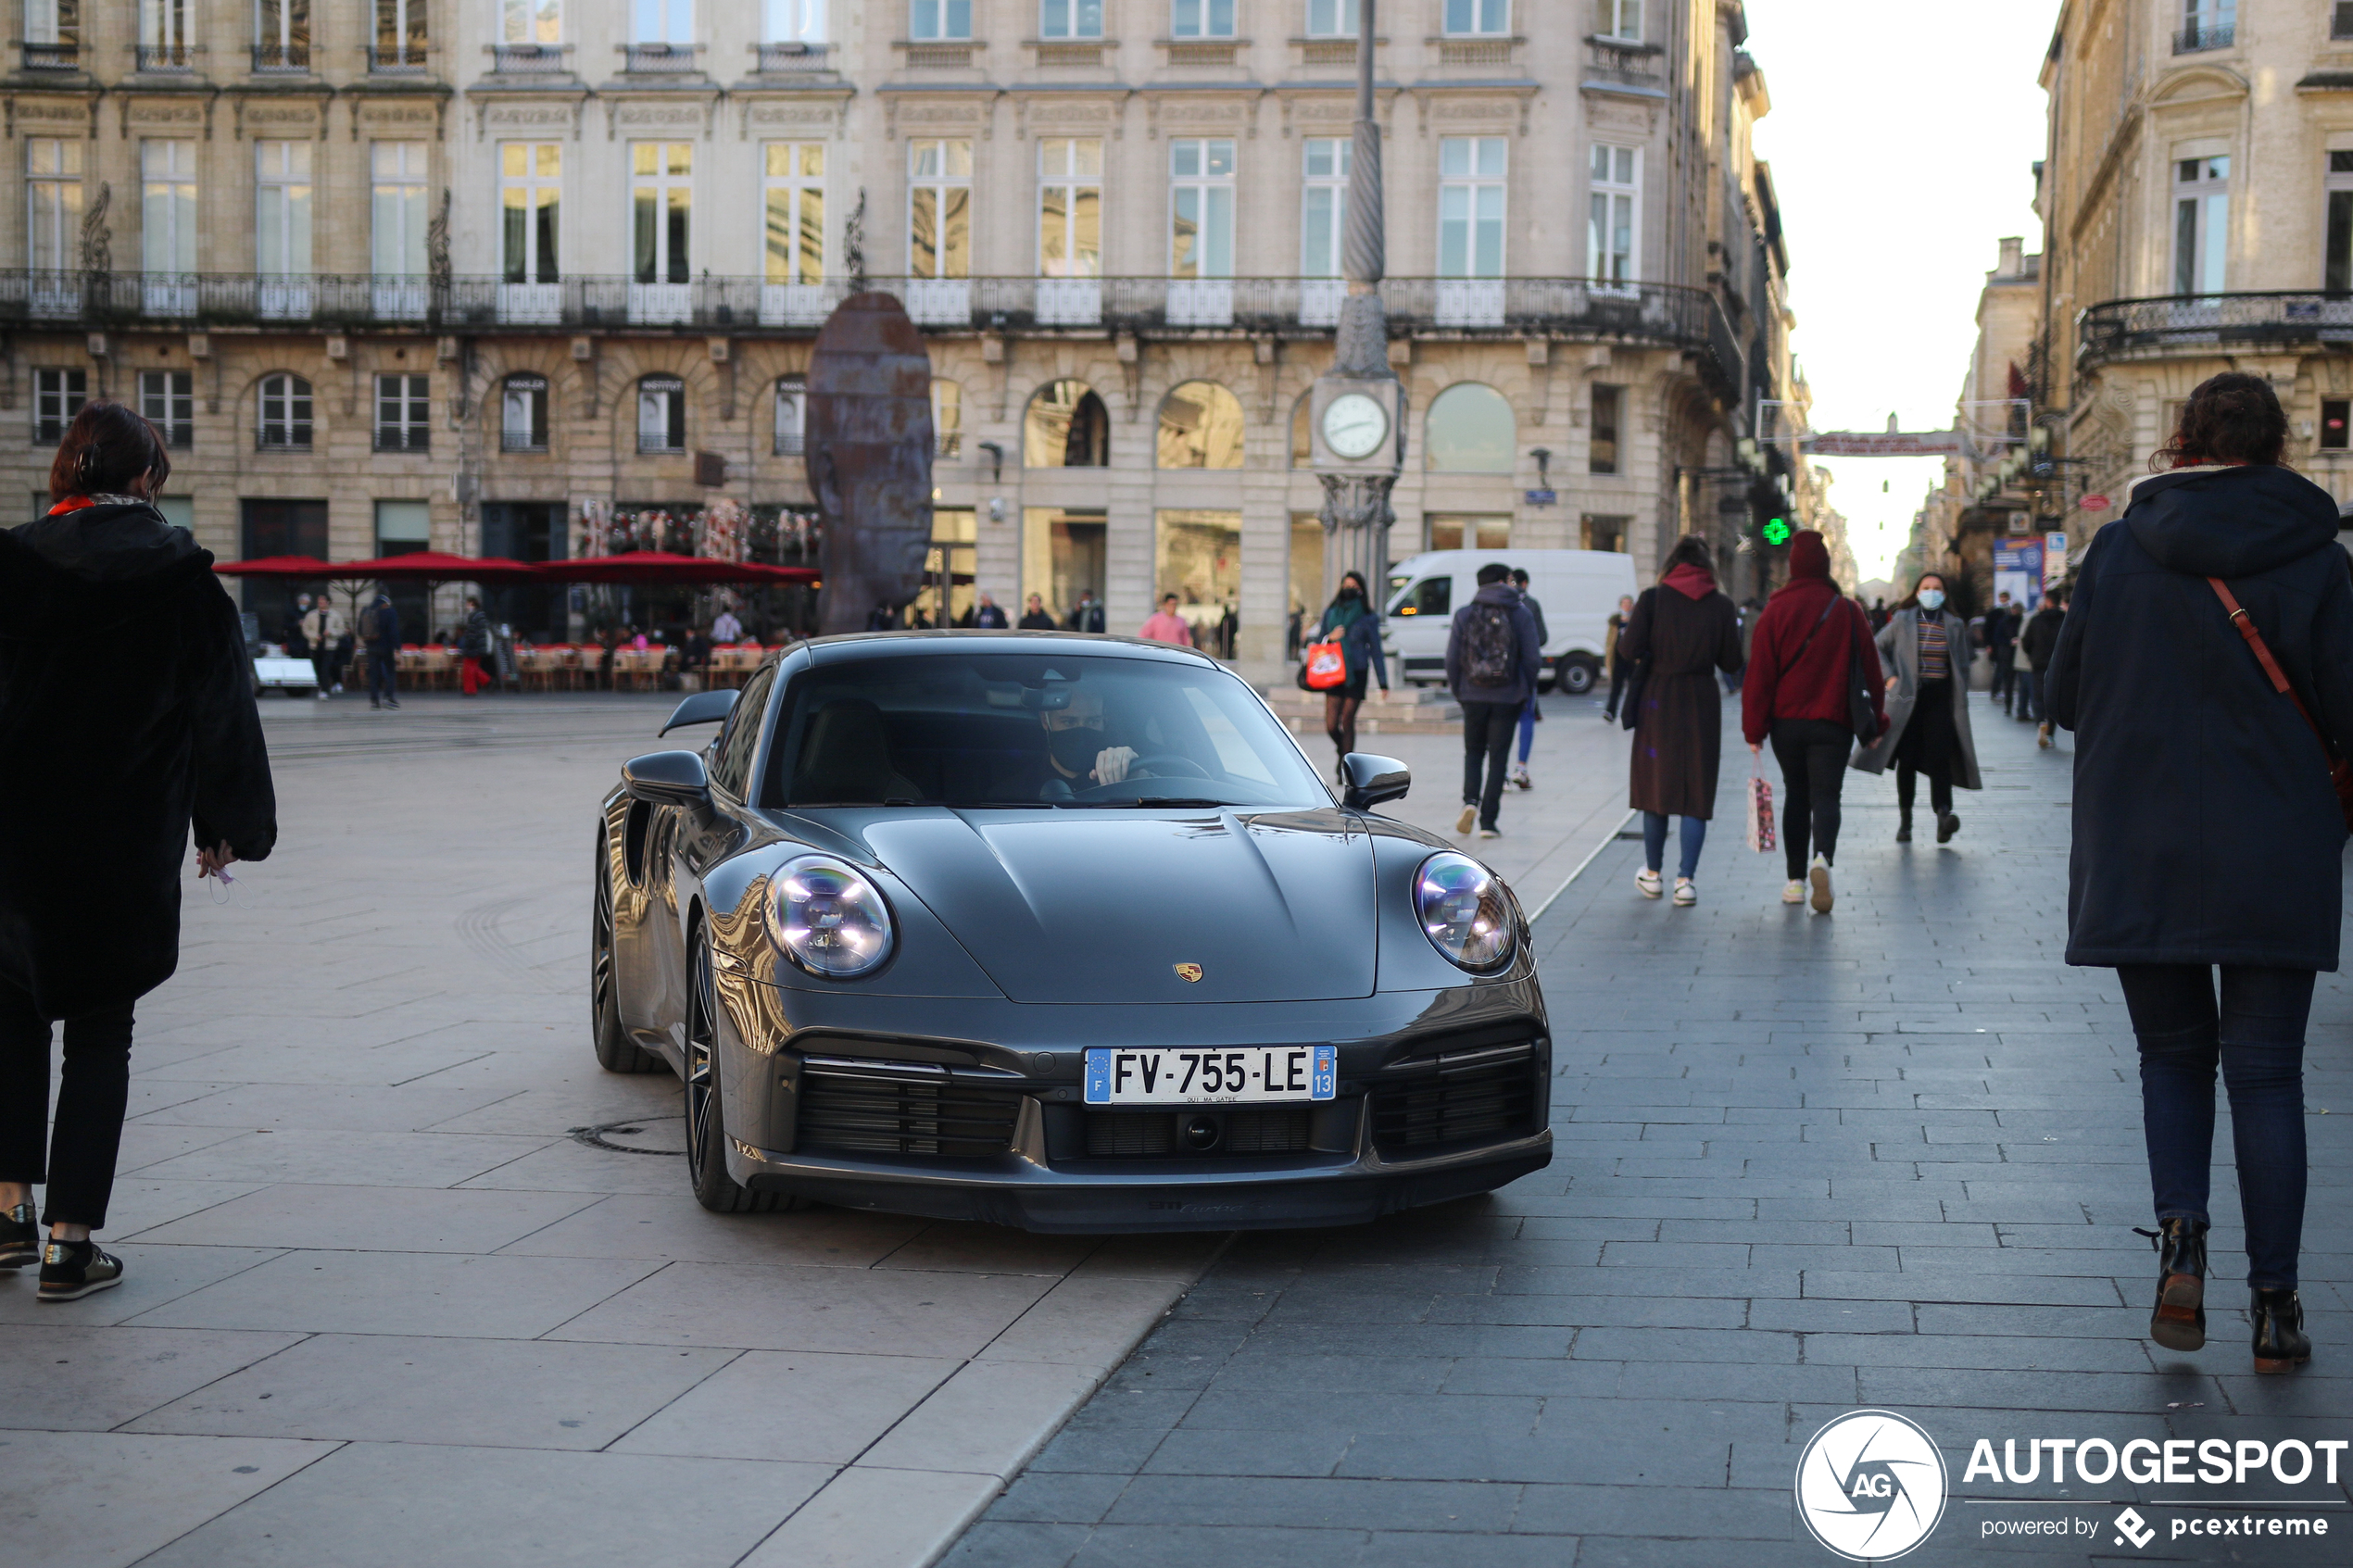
1075,748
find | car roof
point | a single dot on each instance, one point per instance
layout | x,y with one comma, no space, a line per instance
915,645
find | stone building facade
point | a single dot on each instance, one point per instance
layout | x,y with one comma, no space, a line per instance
491,274
2197,202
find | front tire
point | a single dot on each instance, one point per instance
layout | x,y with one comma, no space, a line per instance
1576,674
616,1052
706,1117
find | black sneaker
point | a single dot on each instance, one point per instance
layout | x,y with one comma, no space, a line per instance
70,1269
19,1237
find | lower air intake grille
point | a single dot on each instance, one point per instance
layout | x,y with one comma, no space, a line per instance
844,1112
1130,1135
1468,1096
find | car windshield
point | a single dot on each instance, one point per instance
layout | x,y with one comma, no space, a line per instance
949,728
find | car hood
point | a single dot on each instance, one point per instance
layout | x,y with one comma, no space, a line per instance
1096,907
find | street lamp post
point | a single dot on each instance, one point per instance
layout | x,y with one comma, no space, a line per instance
1356,412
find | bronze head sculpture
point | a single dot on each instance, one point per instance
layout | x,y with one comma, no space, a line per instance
869,445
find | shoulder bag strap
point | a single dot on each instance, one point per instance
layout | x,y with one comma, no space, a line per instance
2246,623
1836,599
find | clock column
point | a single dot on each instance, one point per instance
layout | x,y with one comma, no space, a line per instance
1357,478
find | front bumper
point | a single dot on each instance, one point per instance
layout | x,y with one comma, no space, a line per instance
878,1105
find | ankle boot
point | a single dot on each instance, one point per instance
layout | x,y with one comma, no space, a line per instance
1904,828
2281,1344
2178,1320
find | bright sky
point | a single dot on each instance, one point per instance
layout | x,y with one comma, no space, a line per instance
1903,140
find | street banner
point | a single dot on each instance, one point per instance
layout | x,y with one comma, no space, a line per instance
1888,444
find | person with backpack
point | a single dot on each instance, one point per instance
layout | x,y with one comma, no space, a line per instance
1355,624
127,705
2035,645
2206,666
380,629
1799,694
1493,659
1529,715
1682,633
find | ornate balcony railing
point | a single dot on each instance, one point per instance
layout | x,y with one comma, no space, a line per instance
52,57
164,56
1623,64
2198,37
1632,312
398,60
784,59
281,58
670,58
527,59
2206,323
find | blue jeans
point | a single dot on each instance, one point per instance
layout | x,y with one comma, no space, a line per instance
2256,1035
2029,696
1654,841
1527,729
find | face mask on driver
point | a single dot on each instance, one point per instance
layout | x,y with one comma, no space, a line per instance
1075,748
1931,598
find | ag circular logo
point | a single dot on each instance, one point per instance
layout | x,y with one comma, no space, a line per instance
1871,1486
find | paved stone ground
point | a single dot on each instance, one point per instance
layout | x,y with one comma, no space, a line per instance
383,1308
1886,1157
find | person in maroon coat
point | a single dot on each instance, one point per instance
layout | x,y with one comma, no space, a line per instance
1797,695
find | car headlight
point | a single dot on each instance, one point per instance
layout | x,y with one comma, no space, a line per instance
1465,911
828,919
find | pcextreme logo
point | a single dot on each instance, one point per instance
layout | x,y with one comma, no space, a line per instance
1871,1486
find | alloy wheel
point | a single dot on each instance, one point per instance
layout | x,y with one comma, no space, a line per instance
701,1086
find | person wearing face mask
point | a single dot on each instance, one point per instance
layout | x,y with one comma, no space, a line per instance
1925,648
1078,755
1352,620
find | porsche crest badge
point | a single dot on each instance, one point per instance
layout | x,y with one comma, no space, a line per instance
1188,972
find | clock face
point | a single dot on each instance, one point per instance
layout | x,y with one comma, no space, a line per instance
1354,426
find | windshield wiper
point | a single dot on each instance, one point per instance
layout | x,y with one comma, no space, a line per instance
1178,800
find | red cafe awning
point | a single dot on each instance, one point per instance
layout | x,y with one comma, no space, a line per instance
661,569
308,568
435,566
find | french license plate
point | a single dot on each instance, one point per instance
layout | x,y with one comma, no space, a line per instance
1206,1077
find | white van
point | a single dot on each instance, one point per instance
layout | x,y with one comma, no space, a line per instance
1577,590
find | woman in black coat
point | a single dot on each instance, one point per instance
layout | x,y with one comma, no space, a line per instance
1681,635
1356,624
126,715
2206,832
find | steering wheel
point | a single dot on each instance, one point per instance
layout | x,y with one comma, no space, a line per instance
1165,764
1169,764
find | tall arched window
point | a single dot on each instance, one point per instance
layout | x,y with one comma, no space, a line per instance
661,414
947,416
522,414
1200,427
286,413
792,415
1067,427
1470,429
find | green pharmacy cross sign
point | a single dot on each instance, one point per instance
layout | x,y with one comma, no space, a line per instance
1777,530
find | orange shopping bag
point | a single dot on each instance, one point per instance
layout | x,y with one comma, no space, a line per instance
1325,666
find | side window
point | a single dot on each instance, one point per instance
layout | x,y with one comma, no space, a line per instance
1431,596
731,765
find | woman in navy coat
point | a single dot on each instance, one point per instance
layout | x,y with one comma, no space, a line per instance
2207,835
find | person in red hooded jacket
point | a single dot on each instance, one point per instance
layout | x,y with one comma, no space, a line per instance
1796,695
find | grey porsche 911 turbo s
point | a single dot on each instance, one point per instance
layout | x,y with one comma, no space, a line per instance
1058,932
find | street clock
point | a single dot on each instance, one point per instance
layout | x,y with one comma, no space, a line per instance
1355,422
1355,425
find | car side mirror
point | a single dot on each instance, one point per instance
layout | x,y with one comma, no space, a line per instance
703,708
1372,779
667,778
